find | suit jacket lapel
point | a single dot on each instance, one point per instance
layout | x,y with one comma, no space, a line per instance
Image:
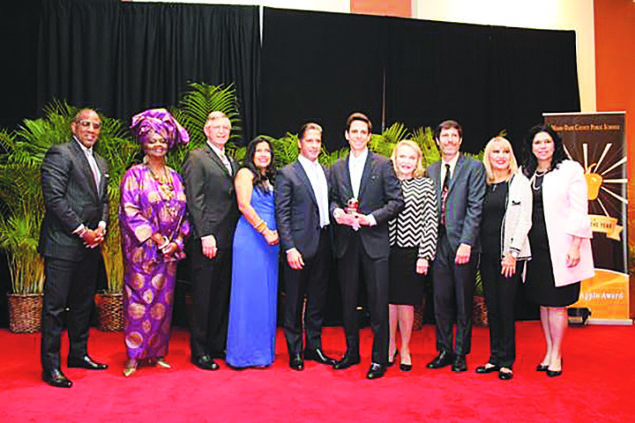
435,174
299,169
458,170
81,158
347,178
368,167
212,154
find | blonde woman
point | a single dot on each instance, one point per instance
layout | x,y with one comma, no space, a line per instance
505,223
413,239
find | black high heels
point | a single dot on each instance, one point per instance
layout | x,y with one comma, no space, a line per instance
556,373
391,362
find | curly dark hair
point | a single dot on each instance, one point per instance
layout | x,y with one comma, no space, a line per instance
270,172
529,162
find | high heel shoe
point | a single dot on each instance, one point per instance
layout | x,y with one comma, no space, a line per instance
405,367
162,363
555,373
391,362
130,368
542,367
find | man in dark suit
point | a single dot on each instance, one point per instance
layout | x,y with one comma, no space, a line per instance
213,211
365,195
460,185
74,187
302,215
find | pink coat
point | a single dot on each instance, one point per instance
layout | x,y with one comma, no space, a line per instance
564,194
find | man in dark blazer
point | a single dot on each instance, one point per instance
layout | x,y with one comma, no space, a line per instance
213,212
365,195
302,215
460,184
74,187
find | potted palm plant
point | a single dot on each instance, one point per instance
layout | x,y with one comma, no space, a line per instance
20,217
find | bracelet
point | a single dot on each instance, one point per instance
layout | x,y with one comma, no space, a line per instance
261,226
166,242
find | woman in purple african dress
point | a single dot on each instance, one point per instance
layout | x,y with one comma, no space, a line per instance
152,216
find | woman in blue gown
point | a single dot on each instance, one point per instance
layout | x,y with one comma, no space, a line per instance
251,339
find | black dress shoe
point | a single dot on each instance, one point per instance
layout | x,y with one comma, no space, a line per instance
319,356
375,371
56,378
459,364
346,362
296,362
443,359
85,362
487,369
508,375
205,362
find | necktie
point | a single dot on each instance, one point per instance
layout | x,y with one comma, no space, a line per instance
93,167
226,162
444,192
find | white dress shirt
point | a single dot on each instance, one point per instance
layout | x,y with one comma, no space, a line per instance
320,188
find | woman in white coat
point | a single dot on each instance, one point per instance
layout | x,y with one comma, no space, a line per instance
505,223
560,237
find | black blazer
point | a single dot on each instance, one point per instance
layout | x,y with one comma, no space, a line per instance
297,212
464,203
71,199
379,195
211,197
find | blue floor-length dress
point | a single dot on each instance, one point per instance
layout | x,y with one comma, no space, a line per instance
251,339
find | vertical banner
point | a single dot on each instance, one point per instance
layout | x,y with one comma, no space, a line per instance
597,141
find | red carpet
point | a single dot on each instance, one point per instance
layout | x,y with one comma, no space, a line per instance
596,385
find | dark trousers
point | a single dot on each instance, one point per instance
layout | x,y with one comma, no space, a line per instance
311,280
453,287
211,283
68,284
376,278
500,296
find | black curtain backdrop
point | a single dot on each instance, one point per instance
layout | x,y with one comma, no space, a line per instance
126,57
320,67
324,66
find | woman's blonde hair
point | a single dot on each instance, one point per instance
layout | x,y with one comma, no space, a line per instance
513,165
419,170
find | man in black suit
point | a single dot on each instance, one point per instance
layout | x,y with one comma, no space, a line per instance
302,215
213,211
74,187
460,185
365,195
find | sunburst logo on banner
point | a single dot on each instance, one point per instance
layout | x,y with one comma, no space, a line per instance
605,185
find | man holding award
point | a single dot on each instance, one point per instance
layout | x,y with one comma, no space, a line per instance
365,195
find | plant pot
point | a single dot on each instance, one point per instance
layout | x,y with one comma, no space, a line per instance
25,312
479,311
109,311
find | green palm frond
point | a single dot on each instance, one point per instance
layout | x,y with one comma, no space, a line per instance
425,139
192,111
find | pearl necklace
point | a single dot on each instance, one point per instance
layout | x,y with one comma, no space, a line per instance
537,174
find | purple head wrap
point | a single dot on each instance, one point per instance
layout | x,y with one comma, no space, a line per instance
158,121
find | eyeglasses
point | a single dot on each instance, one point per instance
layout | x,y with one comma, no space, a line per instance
87,124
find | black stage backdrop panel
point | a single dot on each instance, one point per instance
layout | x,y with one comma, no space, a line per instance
487,78
320,67
126,57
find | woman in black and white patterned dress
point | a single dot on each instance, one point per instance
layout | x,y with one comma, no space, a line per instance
413,241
